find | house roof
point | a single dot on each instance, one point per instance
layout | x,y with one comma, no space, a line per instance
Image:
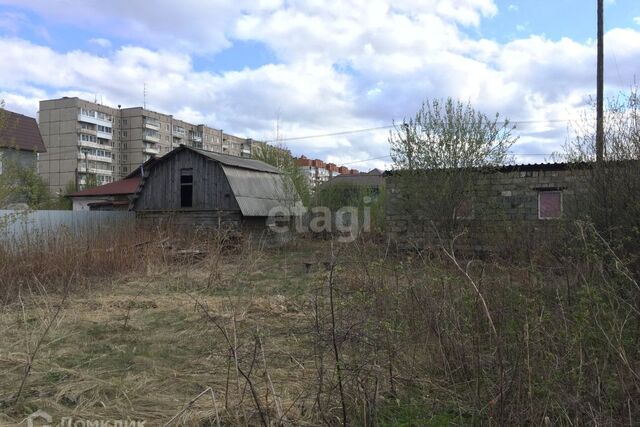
235,161
257,186
20,132
365,179
121,187
256,192
515,168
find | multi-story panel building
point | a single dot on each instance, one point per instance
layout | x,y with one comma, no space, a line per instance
233,144
78,136
92,143
318,172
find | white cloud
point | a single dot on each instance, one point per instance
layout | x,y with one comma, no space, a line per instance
100,42
637,20
513,8
342,66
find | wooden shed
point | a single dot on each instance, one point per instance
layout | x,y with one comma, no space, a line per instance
194,187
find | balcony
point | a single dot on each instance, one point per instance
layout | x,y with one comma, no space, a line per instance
147,136
195,137
149,149
95,158
150,123
80,129
94,120
97,145
84,169
104,135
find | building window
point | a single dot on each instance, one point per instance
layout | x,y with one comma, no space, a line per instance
549,204
186,188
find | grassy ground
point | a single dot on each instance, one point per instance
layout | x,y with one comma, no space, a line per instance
385,338
141,347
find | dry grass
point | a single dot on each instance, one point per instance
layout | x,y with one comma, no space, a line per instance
418,340
139,346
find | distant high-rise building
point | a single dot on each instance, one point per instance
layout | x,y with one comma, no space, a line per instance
88,142
318,172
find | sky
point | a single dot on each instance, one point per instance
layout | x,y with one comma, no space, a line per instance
278,69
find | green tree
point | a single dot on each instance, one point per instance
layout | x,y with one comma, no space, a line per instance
91,181
437,155
280,157
609,191
21,184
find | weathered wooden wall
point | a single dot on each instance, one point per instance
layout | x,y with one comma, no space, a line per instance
211,190
204,218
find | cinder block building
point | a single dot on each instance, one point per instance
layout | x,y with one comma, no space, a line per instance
539,196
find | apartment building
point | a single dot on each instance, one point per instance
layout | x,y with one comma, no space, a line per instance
79,138
93,143
318,172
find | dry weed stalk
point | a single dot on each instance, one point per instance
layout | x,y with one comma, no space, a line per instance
32,355
189,404
232,345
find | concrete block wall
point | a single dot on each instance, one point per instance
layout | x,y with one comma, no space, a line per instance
506,196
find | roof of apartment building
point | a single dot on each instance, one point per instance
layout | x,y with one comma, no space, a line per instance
20,132
116,188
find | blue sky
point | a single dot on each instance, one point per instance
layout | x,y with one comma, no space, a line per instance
312,68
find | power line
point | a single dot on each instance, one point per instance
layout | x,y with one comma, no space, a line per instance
353,131
346,132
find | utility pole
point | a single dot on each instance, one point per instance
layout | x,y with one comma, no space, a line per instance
600,86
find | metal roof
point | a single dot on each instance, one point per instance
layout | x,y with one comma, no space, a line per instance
257,193
238,162
361,179
510,168
123,186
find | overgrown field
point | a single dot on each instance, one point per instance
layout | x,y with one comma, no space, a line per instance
320,333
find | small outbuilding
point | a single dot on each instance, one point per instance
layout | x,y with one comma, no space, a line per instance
115,196
194,187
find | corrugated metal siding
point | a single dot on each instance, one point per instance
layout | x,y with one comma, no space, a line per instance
258,192
24,224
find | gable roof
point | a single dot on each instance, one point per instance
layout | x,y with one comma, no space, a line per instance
20,132
121,187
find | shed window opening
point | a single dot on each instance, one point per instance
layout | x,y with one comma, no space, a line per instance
549,204
186,188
